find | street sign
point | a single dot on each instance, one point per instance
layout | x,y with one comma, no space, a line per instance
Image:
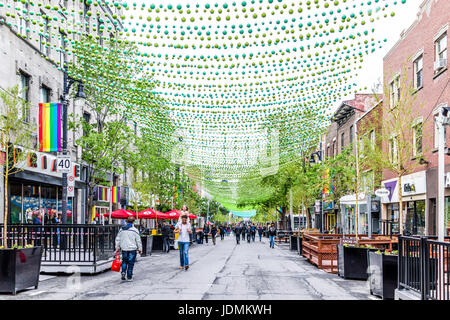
63,164
383,192
70,185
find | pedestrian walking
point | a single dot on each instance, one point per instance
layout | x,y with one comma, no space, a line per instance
185,229
206,231
165,230
129,241
243,229
37,220
237,231
272,233
213,233
248,233
260,232
222,232
253,232
201,235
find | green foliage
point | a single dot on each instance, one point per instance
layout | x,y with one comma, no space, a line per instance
340,174
15,131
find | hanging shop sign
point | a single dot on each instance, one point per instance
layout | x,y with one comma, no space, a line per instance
382,192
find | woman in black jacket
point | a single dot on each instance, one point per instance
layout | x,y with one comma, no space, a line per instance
213,233
272,234
237,231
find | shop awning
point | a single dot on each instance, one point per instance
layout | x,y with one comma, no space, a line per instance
351,199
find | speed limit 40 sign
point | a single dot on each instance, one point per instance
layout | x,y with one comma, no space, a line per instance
63,164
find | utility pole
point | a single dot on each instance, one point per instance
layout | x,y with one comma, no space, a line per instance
67,83
357,185
441,121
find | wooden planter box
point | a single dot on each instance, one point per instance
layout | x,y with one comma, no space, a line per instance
147,245
383,274
19,269
352,262
293,245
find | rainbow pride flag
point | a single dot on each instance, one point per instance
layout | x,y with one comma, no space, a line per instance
115,194
102,193
49,127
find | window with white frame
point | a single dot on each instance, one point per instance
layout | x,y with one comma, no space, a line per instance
44,37
100,27
394,91
87,20
417,138
418,72
25,92
372,138
44,95
440,46
351,134
367,179
361,146
62,49
22,14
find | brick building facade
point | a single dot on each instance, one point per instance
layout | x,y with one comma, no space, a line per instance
421,53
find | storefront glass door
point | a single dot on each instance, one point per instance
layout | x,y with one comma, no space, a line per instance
415,217
331,221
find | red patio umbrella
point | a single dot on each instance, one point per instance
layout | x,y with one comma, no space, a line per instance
175,214
152,214
121,214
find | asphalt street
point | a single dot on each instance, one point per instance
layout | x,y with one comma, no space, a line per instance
225,271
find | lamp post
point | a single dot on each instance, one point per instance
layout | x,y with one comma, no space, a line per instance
68,82
311,161
442,120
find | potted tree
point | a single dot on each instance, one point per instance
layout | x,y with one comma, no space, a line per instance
383,273
19,265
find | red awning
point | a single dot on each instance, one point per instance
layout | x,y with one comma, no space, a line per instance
121,214
175,214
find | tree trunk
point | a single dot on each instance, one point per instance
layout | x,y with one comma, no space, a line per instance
283,217
5,213
400,205
308,217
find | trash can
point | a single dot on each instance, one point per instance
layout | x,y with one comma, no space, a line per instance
147,244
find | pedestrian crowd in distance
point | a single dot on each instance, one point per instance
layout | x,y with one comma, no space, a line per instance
248,230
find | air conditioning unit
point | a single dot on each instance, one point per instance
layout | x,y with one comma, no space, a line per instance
440,64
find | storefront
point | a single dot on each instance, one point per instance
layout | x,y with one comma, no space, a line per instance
38,189
431,204
348,212
414,204
330,217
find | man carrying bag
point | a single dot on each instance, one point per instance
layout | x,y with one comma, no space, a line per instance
129,241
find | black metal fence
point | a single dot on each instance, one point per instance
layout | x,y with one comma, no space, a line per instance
65,243
389,227
423,267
